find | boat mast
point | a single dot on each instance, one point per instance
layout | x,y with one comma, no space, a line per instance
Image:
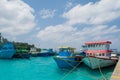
1,40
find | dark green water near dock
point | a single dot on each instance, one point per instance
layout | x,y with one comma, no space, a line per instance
45,68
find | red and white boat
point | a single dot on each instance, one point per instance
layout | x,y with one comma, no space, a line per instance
99,54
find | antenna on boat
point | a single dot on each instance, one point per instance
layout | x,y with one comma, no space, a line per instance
1,40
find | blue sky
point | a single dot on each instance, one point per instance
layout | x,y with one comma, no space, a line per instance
53,23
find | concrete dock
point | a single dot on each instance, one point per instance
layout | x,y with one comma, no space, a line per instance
116,73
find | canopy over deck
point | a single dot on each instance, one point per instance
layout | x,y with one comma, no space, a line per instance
66,47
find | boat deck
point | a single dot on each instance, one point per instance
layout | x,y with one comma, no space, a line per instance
116,73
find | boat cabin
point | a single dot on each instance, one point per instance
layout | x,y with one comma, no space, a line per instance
46,51
66,51
98,49
33,50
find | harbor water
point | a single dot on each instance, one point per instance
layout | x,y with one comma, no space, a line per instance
45,68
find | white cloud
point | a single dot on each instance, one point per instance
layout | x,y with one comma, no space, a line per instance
68,5
16,17
58,33
62,34
94,13
47,13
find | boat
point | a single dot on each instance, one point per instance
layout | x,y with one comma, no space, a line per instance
67,58
21,52
34,52
46,52
99,54
7,50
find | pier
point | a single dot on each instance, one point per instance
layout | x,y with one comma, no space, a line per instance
116,73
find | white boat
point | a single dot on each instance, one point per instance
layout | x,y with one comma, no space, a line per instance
98,55
95,62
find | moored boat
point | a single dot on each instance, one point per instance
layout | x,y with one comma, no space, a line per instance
33,52
21,52
7,50
67,58
46,52
99,54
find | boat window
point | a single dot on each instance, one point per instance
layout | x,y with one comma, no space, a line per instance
88,45
86,54
100,54
72,51
65,50
90,54
103,54
93,45
99,45
61,49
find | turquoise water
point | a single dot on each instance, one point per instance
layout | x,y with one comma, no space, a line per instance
45,68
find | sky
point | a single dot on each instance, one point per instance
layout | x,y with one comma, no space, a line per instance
54,23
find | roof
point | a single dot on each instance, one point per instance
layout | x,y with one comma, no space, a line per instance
99,42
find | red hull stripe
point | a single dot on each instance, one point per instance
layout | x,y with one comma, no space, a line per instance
98,51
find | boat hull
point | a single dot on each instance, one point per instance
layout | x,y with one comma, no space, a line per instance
7,51
22,55
45,54
66,62
6,54
96,63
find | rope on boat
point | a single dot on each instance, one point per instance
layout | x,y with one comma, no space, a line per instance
91,65
71,70
102,73
74,67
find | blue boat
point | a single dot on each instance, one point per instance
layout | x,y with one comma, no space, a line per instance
7,50
46,52
67,58
98,55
